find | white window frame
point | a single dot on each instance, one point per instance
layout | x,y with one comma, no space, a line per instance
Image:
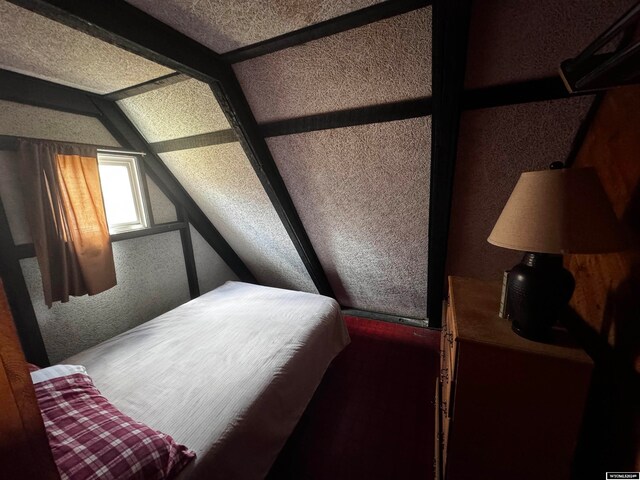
135,182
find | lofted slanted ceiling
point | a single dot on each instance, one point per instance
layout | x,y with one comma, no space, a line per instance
315,165
225,25
39,47
362,192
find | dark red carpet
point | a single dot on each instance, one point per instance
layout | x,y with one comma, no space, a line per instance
372,415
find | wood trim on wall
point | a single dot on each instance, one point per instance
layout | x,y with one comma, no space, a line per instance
451,20
19,298
189,258
27,250
526,91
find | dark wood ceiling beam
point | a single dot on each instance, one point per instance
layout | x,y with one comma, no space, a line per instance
195,141
119,23
121,127
344,118
356,19
16,87
402,110
538,90
450,36
154,84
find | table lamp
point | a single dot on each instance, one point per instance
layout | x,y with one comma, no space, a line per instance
550,213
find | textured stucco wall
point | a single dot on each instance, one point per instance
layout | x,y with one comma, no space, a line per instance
383,62
164,211
180,110
212,270
496,145
39,47
222,182
12,199
363,196
224,25
22,120
151,280
521,40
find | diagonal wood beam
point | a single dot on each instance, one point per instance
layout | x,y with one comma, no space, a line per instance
19,298
231,99
450,35
119,23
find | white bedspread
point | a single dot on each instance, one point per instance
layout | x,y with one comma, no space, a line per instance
227,374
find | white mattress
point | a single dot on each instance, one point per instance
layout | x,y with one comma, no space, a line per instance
227,374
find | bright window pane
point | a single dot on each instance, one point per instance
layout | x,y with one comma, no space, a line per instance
118,197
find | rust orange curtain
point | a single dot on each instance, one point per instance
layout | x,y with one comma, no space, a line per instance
66,214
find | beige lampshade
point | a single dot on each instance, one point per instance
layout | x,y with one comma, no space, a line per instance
559,211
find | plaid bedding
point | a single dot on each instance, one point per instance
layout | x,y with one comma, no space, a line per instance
92,439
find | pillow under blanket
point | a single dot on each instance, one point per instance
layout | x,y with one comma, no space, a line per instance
92,439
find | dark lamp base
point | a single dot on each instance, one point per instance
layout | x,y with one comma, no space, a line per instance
538,290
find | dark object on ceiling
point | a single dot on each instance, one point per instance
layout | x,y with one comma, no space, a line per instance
591,70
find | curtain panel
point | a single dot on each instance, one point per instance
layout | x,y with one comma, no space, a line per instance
63,199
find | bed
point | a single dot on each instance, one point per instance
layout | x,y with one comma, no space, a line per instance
228,374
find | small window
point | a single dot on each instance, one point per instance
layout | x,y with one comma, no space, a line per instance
122,192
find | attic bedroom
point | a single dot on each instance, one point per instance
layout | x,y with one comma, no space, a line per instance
294,240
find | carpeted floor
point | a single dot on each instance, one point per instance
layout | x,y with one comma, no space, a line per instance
372,415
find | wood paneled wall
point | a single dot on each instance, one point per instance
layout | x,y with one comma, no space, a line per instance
24,448
607,292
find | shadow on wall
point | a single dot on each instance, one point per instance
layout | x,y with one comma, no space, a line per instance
622,310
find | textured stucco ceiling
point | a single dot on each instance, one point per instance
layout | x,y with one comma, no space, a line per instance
496,145
222,182
176,111
363,196
382,62
39,47
224,25
522,40
22,120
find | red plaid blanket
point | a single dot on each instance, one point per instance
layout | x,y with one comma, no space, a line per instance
92,439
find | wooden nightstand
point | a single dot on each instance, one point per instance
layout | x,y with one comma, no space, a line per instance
506,407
